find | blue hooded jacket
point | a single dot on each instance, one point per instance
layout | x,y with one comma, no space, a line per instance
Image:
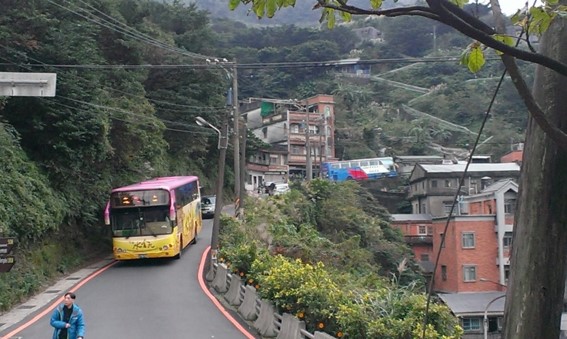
76,321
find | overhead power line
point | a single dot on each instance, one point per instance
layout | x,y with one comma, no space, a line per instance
120,27
301,64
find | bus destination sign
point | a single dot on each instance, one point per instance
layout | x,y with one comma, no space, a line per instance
6,261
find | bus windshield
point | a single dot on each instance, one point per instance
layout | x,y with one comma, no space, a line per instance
129,222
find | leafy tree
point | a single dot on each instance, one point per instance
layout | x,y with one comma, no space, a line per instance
539,221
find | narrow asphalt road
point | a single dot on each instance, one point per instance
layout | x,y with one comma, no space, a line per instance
149,299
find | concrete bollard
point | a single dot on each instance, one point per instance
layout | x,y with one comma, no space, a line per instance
322,335
233,294
220,282
291,327
248,307
265,322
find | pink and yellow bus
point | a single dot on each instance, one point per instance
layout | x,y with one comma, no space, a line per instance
156,218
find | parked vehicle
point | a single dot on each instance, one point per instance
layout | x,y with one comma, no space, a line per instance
208,206
269,187
360,169
281,189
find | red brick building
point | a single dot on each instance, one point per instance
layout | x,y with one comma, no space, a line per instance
473,257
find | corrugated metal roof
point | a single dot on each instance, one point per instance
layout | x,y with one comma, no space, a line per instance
474,302
411,217
456,168
498,185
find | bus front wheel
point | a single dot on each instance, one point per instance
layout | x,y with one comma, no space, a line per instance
178,255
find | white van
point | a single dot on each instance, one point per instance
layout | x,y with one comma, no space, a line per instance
281,189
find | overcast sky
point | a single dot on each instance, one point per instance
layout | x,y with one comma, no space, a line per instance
509,7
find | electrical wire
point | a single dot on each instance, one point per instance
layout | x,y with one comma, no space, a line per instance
460,186
40,63
205,130
275,65
128,31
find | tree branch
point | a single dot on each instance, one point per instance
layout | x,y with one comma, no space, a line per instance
445,10
450,14
554,133
393,12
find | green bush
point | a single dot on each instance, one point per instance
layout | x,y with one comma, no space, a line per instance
305,290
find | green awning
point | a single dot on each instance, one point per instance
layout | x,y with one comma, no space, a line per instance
266,109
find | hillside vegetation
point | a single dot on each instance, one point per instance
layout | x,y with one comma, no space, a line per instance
121,114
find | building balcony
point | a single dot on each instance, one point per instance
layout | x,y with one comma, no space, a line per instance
505,228
438,191
419,239
270,119
267,167
506,261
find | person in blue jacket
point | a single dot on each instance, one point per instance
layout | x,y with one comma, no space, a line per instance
67,319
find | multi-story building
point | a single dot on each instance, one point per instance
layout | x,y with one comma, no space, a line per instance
474,254
418,234
293,129
433,187
474,259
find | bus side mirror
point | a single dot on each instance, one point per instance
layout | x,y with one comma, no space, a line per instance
107,214
171,213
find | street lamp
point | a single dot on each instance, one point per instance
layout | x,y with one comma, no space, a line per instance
204,123
485,318
220,181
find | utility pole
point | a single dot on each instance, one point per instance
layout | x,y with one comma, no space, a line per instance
320,147
308,165
243,137
236,143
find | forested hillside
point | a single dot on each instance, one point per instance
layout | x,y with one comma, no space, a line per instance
133,75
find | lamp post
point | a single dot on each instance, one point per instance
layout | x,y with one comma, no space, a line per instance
222,145
485,318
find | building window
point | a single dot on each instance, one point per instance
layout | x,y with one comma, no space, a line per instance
507,240
447,183
444,272
425,257
441,240
471,324
509,206
297,149
422,230
294,128
469,273
433,183
423,210
447,206
468,240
